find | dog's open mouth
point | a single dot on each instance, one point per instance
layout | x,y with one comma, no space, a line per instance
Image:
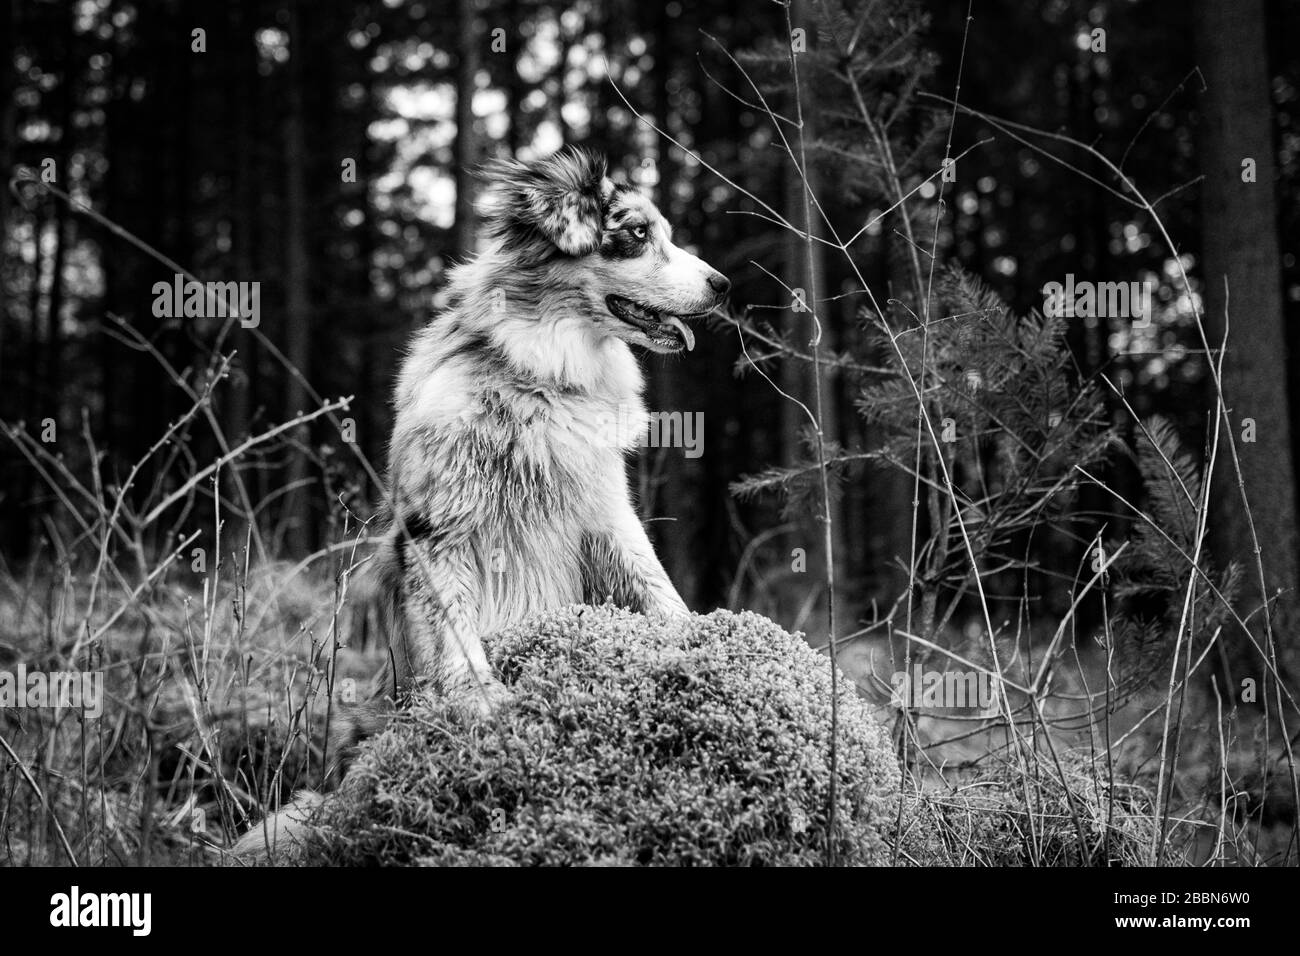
664,330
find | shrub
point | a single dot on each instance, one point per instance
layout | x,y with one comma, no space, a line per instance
629,741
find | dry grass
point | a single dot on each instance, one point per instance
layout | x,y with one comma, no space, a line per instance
215,705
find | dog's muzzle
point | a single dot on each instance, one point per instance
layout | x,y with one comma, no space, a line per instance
663,329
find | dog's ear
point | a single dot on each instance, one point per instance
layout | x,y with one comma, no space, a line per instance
560,200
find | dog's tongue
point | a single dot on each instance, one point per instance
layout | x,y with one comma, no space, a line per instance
687,335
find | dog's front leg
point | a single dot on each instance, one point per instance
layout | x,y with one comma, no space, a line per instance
621,565
439,587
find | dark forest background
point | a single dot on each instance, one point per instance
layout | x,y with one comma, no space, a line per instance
230,162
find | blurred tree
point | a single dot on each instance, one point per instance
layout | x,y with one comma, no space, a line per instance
805,271
1240,243
297,280
470,39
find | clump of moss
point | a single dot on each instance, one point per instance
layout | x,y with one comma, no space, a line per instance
629,741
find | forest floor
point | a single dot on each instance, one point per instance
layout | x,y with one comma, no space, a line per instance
215,700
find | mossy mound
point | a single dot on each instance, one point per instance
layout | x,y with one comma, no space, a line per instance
630,740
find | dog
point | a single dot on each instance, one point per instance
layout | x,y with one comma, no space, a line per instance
508,489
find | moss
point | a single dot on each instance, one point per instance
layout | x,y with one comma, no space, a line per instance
629,740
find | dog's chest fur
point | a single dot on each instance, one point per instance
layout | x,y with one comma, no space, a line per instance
513,473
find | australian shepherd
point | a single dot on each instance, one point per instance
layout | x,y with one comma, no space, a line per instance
508,490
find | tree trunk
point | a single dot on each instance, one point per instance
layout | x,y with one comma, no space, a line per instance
8,129
515,87
466,147
807,271
1239,222
242,70
52,379
296,292
671,495
14,536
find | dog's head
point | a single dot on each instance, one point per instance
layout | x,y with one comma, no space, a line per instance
603,242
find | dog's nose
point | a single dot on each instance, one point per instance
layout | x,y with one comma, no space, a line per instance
719,283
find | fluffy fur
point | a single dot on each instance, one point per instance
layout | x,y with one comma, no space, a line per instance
509,490
509,493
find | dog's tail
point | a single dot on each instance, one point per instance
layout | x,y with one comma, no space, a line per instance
284,831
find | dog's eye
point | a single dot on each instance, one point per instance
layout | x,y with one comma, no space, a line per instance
639,233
